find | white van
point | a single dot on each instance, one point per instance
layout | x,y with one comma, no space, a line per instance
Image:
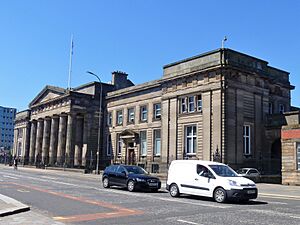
209,179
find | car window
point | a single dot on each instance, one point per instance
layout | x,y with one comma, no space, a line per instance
111,169
203,171
223,170
241,171
120,169
252,172
135,170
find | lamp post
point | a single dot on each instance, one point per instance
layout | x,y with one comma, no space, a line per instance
99,124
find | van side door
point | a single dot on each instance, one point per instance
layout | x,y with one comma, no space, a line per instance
204,181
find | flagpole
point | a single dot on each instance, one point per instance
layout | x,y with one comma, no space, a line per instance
224,39
70,63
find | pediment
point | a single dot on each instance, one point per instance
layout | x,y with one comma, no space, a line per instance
128,134
47,94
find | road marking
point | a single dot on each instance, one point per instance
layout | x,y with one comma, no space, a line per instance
22,190
287,197
278,203
189,222
15,178
178,200
117,211
51,178
273,213
194,203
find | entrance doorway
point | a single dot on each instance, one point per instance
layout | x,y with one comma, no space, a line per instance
131,154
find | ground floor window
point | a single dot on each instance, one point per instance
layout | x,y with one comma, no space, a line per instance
190,139
298,155
108,150
143,144
247,139
119,146
157,142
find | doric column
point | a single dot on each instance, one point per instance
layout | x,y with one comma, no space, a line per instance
61,148
27,143
53,140
15,144
86,134
39,141
70,141
78,141
32,142
46,141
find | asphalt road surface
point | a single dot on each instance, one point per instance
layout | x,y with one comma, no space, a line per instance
60,197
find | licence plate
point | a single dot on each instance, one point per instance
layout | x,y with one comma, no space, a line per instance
153,184
251,192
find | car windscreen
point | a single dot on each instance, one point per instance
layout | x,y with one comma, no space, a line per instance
223,170
241,171
135,170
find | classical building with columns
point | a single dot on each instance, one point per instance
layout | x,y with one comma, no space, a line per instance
222,105
60,128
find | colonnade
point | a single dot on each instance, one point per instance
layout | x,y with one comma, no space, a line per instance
60,140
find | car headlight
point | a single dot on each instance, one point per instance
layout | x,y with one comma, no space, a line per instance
140,180
233,183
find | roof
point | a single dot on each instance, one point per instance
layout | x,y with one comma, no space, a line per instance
203,162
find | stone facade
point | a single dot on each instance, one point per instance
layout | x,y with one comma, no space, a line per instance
222,105
290,137
61,126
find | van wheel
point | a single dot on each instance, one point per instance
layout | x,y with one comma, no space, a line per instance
130,185
174,191
105,182
220,195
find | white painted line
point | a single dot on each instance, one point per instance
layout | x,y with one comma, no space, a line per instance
22,190
195,203
278,203
277,195
51,178
296,217
15,178
188,222
178,200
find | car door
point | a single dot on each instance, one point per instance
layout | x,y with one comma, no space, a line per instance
253,175
111,174
121,176
203,182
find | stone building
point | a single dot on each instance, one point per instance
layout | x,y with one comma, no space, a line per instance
61,126
290,136
222,105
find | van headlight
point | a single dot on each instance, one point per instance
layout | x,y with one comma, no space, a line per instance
140,180
233,183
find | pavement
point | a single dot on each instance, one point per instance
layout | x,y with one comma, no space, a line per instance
10,206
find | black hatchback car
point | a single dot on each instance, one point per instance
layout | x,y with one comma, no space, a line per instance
131,177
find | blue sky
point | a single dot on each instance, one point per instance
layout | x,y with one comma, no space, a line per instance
135,36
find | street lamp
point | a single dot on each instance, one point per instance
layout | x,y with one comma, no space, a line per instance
99,124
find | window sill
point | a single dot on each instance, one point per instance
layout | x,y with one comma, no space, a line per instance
190,154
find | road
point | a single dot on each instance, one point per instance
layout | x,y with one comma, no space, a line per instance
59,197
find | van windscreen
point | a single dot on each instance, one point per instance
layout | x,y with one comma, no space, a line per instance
223,170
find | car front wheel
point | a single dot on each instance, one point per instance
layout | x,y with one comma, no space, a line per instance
220,195
130,185
174,191
105,182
